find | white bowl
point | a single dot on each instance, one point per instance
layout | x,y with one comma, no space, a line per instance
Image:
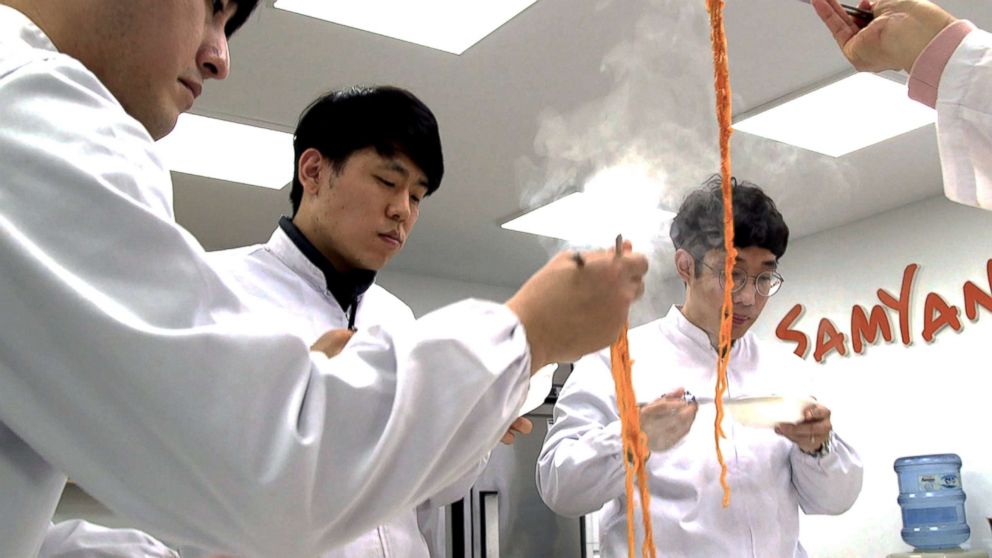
767,411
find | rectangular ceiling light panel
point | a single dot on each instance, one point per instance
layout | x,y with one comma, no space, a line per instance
229,151
844,116
618,200
449,25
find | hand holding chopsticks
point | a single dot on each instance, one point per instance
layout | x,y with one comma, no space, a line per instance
569,309
892,39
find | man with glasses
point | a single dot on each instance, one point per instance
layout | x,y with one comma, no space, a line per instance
773,473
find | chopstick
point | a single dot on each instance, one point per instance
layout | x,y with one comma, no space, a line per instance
618,251
858,13
863,16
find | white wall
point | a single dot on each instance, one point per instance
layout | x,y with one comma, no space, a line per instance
894,400
423,293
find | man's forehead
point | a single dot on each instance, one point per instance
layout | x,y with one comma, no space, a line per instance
768,261
401,163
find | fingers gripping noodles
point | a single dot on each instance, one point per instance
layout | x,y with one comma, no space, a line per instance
635,448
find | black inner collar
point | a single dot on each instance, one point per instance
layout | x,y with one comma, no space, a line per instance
347,287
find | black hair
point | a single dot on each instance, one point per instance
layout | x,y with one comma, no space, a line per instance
698,226
390,119
245,8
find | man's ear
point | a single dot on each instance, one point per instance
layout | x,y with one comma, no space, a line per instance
685,265
309,168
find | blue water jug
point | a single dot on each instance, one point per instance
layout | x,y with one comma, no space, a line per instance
932,501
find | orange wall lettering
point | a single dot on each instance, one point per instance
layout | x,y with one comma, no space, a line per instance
867,326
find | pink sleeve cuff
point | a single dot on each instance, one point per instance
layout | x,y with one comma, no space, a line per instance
925,75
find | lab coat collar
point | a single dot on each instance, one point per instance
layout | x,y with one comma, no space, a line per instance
289,243
677,322
15,23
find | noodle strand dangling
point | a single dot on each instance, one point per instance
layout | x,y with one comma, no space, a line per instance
724,115
635,446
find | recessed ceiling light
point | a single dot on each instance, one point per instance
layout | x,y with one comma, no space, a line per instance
229,151
844,116
618,200
448,25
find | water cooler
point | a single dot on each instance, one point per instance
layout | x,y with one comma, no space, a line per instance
932,502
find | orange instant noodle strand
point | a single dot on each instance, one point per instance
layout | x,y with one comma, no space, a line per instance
635,446
724,115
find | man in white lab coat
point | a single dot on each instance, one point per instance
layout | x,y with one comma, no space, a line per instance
772,474
129,364
950,68
366,159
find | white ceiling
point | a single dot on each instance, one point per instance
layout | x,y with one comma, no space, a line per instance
563,89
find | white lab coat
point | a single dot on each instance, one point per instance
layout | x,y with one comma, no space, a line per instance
80,539
128,363
282,282
964,121
580,468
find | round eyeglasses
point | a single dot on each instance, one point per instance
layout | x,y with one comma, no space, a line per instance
766,283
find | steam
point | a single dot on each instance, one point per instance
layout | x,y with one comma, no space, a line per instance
660,117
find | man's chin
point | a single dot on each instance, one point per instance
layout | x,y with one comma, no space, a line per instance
738,332
375,264
159,132
161,123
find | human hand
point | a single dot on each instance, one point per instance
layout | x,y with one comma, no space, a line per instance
574,306
519,426
899,32
332,342
667,420
812,432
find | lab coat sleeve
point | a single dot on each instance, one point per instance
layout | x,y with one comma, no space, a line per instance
431,514
80,539
580,467
827,484
128,362
458,489
431,523
964,121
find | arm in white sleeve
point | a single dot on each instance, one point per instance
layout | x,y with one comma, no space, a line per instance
80,539
581,466
128,363
431,524
964,121
827,484
458,489
431,514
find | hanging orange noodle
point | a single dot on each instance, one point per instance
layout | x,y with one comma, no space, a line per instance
721,83
635,446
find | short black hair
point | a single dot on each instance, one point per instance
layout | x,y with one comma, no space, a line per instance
245,8
389,119
698,226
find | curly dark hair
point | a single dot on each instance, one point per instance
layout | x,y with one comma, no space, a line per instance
698,226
